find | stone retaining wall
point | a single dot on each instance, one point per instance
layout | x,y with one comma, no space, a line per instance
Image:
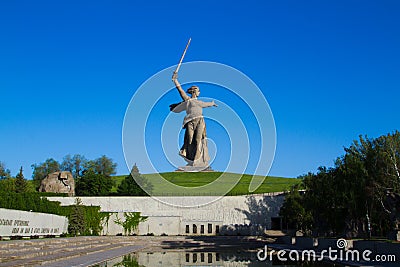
230,215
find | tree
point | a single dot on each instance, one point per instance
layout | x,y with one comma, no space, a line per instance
134,184
102,165
74,164
76,224
7,185
294,213
79,161
4,173
378,163
20,182
93,184
67,163
350,197
40,171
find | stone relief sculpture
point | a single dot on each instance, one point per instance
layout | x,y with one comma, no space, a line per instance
58,182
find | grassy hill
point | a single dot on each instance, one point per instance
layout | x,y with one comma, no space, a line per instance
196,179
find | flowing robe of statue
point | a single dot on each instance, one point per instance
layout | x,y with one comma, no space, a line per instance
194,149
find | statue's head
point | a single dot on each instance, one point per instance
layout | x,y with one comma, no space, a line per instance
194,91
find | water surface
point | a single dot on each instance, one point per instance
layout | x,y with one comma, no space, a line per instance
197,258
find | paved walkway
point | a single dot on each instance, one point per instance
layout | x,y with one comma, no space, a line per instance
88,251
78,251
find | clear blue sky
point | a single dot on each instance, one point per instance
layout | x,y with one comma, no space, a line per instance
330,70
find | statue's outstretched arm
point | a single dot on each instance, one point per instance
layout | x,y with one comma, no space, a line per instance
208,104
179,87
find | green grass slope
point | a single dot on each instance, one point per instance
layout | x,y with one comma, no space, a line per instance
196,179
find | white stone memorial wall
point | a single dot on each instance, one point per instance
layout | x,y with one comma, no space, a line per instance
25,223
232,214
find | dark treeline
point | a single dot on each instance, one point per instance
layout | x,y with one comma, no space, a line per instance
92,177
17,184
355,198
76,164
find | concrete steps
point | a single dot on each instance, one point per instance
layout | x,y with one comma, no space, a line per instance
39,252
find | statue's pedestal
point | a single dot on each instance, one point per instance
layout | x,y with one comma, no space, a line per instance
195,169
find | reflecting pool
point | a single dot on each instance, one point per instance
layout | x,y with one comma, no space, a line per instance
197,258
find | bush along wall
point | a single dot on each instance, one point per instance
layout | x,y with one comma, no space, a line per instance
83,220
